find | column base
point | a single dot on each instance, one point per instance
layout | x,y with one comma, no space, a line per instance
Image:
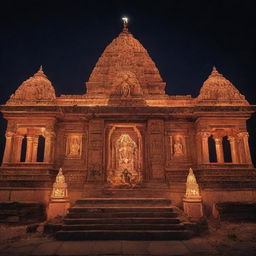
193,208
57,208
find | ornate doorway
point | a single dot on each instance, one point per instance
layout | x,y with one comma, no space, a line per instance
124,156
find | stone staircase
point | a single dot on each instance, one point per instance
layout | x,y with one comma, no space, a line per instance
123,219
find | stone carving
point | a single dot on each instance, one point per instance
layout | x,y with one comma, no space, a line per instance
127,58
218,88
126,84
36,90
192,189
126,158
192,202
59,187
178,147
74,146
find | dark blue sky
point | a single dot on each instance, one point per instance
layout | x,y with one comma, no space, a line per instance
184,38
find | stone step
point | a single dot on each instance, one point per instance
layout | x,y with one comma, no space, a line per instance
120,214
76,209
125,220
124,201
123,235
112,226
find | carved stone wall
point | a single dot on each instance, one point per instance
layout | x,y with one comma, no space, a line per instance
95,151
155,131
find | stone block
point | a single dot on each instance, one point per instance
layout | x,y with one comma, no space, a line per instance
57,208
193,209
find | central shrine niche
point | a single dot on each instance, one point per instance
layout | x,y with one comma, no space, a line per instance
124,156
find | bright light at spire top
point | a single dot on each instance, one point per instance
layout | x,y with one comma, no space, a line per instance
125,20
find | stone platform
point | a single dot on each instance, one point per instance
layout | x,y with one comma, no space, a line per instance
123,219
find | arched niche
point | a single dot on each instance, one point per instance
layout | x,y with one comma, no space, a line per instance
124,139
226,150
23,149
212,150
41,148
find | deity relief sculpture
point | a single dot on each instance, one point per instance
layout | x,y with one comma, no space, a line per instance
178,147
126,162
74,146
59,187
126,85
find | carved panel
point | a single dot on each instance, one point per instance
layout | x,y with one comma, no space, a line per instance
156,148
95,150
74,146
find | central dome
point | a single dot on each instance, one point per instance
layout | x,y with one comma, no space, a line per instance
125,60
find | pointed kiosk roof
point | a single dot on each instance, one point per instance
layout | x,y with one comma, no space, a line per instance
125,59
218,90
37,89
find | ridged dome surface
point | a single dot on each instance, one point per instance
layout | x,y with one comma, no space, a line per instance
218,88
37,89
125,59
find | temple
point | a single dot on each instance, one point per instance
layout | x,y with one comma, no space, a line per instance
125,137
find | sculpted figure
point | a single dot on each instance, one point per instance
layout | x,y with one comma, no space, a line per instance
74,147
178,148
59,190
60,178
126,84
126,150
125,170
125,89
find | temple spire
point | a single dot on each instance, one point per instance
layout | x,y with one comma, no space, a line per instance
40,72
125,24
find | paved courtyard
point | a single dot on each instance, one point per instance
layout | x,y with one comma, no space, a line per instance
229,239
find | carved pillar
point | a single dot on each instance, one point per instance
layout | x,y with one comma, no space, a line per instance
219,149
234,154
156,149
34,149
17,148
29,149
8,147
95,151
245,137
205,147
49,147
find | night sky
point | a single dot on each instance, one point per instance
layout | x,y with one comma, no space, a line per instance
184,38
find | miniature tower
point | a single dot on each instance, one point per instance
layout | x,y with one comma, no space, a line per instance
60,191
59,201
192,201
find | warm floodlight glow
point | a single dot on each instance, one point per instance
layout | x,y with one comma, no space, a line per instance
125,20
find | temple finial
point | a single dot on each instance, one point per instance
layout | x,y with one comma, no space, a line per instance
214,71
125,24
40,72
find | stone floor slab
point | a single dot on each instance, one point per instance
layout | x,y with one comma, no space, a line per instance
167,248
135,247
19,251
75,248
197,245
107,247
48,248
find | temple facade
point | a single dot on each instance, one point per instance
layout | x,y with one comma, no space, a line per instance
125,137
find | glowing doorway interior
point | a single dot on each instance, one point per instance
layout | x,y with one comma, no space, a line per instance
126,172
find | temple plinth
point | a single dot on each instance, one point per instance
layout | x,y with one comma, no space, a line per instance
126,137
